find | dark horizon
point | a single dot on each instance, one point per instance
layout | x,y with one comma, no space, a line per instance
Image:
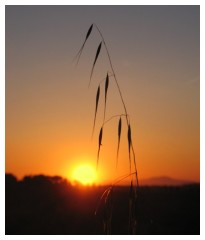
152,181
50,205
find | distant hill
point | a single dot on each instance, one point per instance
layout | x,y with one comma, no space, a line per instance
164,181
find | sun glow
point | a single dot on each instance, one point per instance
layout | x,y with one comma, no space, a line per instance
84,174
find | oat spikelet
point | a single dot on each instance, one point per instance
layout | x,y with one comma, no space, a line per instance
96,108
99,144
81,49
119,134
106,88
129,143
96,57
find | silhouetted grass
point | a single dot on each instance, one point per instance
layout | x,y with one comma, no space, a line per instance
111,74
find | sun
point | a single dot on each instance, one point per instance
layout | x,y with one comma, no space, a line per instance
84,174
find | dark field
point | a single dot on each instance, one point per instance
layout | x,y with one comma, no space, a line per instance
50,205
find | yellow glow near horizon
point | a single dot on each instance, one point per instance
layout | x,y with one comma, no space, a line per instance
84,174
50,111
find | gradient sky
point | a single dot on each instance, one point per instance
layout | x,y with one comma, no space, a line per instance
155,51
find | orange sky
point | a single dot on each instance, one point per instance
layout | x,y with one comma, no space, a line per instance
50,110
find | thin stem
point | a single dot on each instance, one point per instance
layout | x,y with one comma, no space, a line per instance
133,152
119,179
114,75
118,115
122,178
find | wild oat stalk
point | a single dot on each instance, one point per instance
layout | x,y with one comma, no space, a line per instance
108,193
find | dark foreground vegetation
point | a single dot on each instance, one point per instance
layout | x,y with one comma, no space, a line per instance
51,205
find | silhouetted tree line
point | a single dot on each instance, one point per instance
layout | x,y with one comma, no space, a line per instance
51,205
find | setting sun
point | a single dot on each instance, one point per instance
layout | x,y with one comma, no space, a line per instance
84,174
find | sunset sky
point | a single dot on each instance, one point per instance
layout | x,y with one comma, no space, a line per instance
155,52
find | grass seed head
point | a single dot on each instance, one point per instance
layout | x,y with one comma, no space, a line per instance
96,57
89,32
